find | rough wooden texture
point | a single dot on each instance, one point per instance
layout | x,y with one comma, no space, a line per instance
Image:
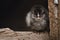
8,34
59,19
53,21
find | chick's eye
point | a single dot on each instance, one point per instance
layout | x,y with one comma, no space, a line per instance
43,13
34,15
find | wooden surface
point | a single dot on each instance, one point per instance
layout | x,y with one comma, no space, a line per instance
59,19
8,34
53,21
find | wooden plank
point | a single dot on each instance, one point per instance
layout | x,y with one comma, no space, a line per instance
8,34
59,20
53,21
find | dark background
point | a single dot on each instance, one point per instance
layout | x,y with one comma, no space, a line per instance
13,12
